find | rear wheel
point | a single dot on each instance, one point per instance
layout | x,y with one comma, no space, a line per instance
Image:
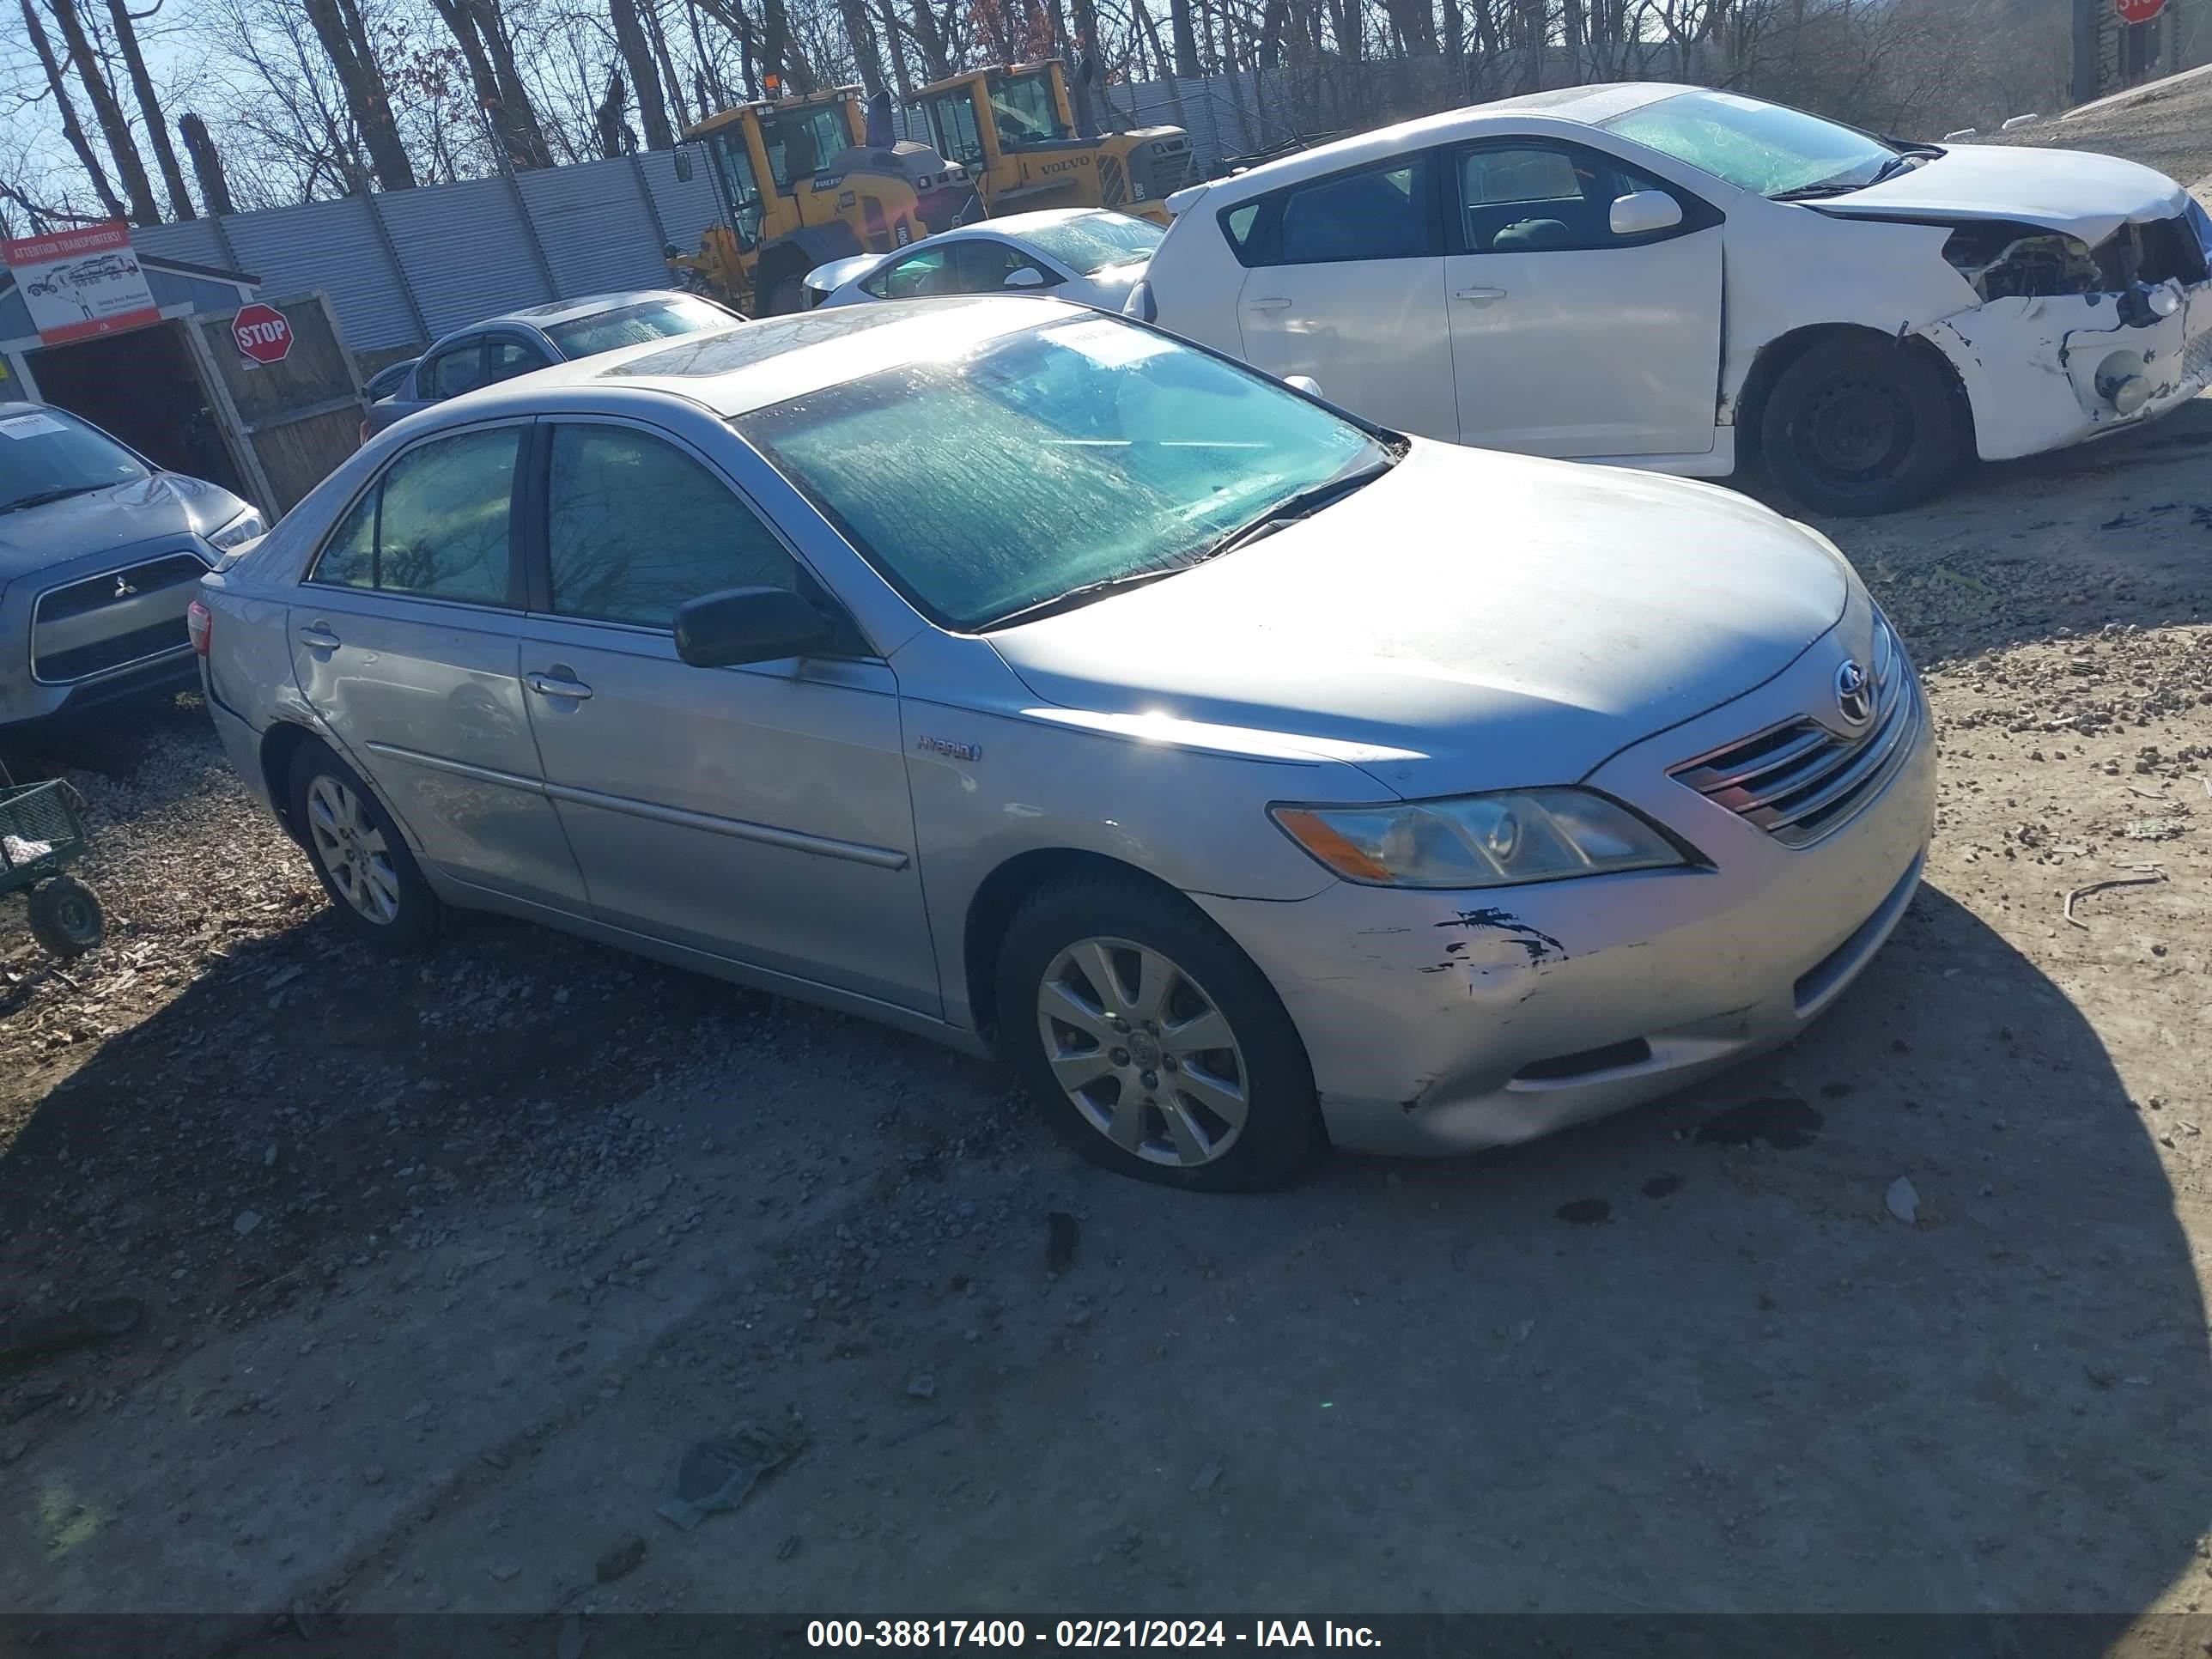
1152,1043
1859,426
359,854
66,918
786,295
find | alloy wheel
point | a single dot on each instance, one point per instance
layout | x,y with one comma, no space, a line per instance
352,850
1143,1052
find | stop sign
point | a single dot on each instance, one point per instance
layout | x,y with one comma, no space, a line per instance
263,333
2138,11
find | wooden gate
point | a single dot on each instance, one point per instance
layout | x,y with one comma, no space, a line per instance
298,416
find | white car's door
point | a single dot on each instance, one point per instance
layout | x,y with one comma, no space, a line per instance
1344,283
1566,338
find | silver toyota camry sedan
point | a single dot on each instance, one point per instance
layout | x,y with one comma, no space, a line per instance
1251,778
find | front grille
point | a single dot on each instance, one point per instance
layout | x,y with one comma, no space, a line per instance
2196,356
114,652
1113,183
1162,167
1799,780
79,599
105,622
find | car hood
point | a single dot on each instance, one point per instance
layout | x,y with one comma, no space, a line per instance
2086,195
1472,620
166,506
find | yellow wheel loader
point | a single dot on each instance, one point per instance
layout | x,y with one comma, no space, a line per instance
804,180
1014,131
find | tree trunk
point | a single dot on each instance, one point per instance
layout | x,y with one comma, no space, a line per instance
519,113
860,29
609,118
114,126
360,79
936,63
644,75
1184,26
207,165
87,158
149,108
679,117
900,78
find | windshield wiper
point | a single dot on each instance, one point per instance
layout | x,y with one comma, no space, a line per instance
1903,162
40,497
1304,505
1076,596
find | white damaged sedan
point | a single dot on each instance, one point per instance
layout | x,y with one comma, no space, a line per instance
1676,278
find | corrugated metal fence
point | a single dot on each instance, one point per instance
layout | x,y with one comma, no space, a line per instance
404,267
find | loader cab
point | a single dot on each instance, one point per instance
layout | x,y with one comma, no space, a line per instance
764,152
737,169
1029,105
977,118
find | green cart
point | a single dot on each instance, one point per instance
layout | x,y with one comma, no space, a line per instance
41,829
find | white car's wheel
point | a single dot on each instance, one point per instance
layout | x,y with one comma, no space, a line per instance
359,854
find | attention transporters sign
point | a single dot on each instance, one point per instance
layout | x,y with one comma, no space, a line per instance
81,283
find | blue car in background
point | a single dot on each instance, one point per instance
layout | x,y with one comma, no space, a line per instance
101,553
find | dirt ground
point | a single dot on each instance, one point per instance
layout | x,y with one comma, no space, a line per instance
441,1267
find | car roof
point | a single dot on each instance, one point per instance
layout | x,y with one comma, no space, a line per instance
1585,105
751,365
1006,227
558,312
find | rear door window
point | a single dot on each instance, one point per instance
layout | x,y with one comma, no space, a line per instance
507,358
1378,212
457,369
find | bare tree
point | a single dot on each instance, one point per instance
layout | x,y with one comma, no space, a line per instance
114,126
125,22
479,29
644,74
344,37
207,165
72,130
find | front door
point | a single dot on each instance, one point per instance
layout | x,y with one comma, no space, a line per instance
1347,287
1565,339
405,637
758,813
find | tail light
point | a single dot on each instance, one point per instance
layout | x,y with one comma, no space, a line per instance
199,622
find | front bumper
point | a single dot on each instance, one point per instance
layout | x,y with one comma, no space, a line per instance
1440,1022
2038,371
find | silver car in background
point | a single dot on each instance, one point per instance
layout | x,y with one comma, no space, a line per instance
1092,256
1250,778
101,552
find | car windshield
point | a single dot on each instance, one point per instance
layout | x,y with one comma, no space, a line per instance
1759,147
635,324
1091,244
45,455
1090,452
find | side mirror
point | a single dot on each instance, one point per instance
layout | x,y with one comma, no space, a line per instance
1024,276
750,625
1642,212
1304,383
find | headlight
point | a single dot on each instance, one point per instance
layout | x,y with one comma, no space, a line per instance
1480,841
243,528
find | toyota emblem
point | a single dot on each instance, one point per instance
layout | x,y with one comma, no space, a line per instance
1854,694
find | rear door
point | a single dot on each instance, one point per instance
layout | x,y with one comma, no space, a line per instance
758,813
1346,285
404,639
1569,340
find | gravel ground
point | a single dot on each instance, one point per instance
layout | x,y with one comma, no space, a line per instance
440,1266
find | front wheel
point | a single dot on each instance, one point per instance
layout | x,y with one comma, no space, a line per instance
1152,1043
66,917
1859,426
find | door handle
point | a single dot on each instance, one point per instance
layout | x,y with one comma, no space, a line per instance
1265,305
1479,295
557,684
317,637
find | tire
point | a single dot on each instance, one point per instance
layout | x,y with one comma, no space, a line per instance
1179,1131
359,855
66,918
1858,426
